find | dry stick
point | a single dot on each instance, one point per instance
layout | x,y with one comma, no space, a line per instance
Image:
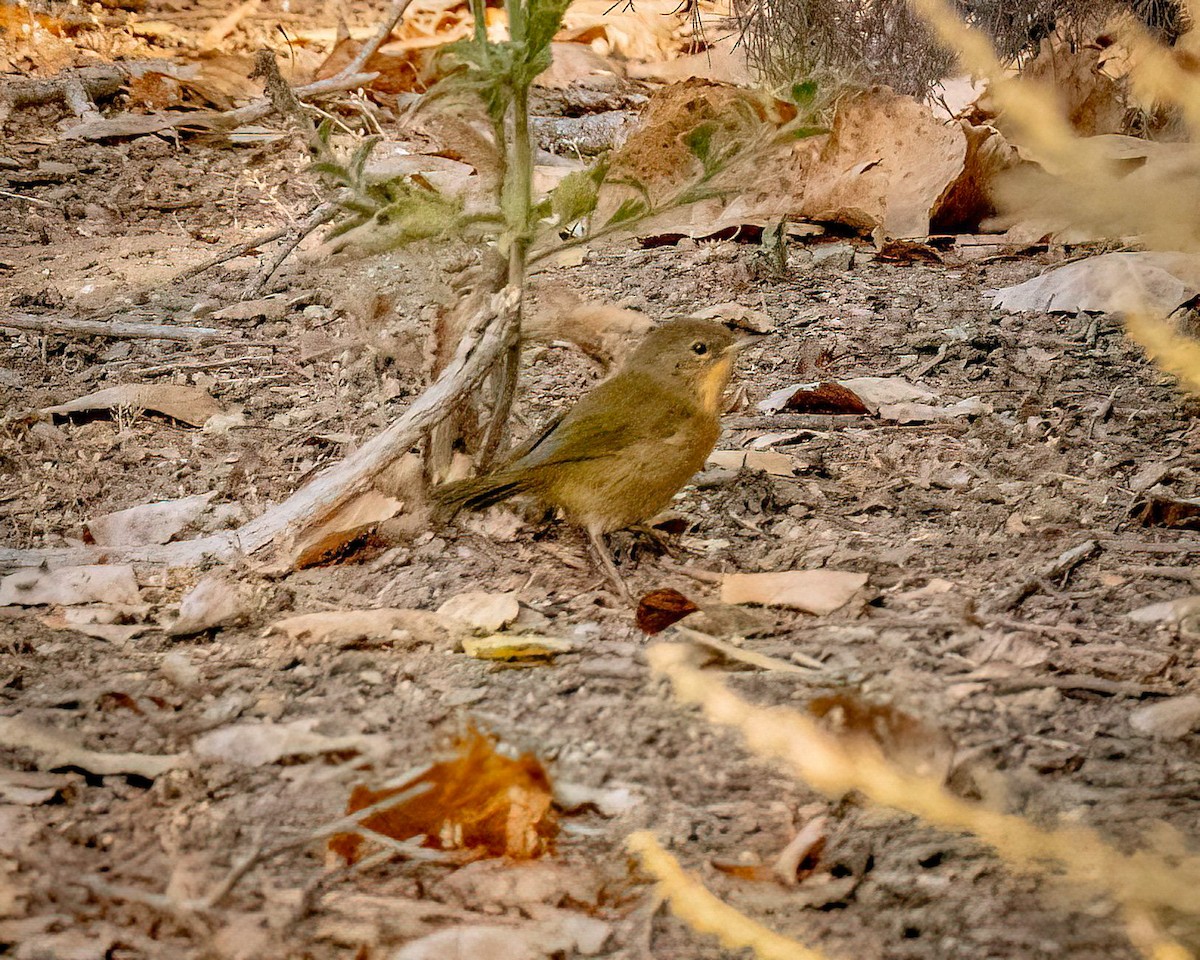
477,353
117,329
231,253
1063,564
319,215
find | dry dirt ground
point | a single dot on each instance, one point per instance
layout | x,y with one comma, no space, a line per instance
947,519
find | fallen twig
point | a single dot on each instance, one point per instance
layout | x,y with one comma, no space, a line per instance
1063,564
320,214
116,329
477,353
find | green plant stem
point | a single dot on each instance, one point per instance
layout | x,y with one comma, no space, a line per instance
518,210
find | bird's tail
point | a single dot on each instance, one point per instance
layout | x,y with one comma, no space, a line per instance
479,493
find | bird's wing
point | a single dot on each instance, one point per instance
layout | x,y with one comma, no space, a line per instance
617,413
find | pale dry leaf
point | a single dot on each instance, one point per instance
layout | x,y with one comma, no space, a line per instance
147,523
524,883
608,801
258,744
1110,283
1168,611
573,62
216,601
188,405
746,318
768,461
1170,719
32,788
488,612
118,633
813,591
55,748
926,412
92,583
388,624
522,646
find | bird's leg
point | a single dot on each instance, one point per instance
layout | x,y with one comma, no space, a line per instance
604,559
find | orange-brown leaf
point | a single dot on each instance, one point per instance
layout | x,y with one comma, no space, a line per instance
479,800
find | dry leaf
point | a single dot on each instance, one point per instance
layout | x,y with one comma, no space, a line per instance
386,625
216,601
887,163
487,612
95,583
745,318
507,646
1169,512
1169,611
902,739
345,532
813,591
148,523
769,461
1112,283
601,330
907,251
1170,719
608,802
658,609
926,413
551,934
832,398
31,788
186,404
872,392
257,744
54,748
479,800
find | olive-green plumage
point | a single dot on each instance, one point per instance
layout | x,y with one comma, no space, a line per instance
624,450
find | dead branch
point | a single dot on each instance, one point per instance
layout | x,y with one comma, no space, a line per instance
101,80
320,214
478,350
117,329
1063,564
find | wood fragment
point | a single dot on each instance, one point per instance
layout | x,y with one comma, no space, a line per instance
1062,565
477,352
1079,681
116,329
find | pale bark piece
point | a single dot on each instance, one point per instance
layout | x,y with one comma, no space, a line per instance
355,626
886,164
1168,611
54,748
30,788
147,523
188,405
488,612
813,591
259,744
95,583
1149,281
1170,719
216,601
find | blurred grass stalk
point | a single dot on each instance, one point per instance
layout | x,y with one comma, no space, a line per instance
1082,184
1145,883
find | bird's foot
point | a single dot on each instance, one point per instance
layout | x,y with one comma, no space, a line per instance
605,561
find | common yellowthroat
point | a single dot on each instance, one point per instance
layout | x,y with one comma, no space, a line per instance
622,451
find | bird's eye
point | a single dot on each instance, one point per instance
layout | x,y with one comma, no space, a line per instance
699,348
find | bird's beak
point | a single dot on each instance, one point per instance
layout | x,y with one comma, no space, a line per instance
740,344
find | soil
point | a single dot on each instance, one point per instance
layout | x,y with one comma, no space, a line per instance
948,518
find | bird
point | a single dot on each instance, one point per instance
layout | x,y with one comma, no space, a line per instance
618,456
